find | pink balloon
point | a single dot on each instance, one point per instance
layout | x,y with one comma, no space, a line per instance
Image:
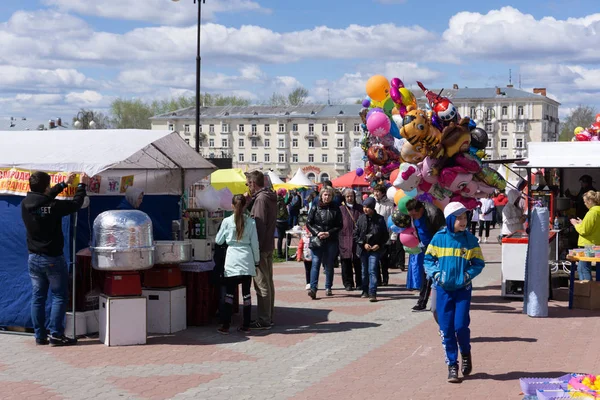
397,83
395,95
378,124
408,237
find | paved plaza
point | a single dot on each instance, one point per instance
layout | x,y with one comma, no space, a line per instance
339,347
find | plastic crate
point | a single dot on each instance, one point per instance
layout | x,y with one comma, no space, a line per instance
530,386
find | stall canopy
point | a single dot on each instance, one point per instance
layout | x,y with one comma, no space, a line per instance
562,155
278,183
350,179
301,179
233,178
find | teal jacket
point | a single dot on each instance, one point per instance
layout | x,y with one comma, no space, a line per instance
452,260
242,255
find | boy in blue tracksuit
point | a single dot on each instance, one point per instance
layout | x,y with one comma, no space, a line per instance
452,260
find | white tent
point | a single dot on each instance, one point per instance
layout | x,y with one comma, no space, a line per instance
562,155
160,161
301,179
275,180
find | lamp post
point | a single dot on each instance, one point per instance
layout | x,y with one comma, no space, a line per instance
485,116
83,119
198,59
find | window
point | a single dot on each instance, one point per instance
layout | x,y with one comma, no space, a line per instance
294,158
520,111
241,157
520,126
340,158
254,143
356,127
253,157
519,144
504,127
504,143
282,128
267,128
503,157
201,143
489,126
489,113
224,143
490,144
324,143
186,128
225,128
311,128
311,143
340,127
295,143
211,142
281,158
200,128
472,113
311,176
340,143
241,127
294,127
211,128
324,158
267,143
324,127
311,159
281,143
356,143
267,158
241,143
254,128
171,127
187,141
324,177
504,110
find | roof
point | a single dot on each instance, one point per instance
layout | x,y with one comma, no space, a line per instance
25,124
484,94
225,112
562,155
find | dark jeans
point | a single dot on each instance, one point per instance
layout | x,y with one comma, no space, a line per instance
473,227
485,224
325,255
231,286
351,272
48,273
384,262
370,262
425,290
307,268
281,228
293,221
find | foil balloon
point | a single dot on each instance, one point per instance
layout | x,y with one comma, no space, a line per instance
408,238
397,83
378,87
400,220
408,98
388,106
598,117
373,111
377,155
442,106
378,124
479,138
387,140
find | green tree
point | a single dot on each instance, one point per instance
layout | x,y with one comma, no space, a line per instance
582,116
277,100
297,97
101,120
131,114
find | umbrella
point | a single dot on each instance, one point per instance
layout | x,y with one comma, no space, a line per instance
350,180
234,179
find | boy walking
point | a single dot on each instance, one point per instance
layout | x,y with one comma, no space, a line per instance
452,260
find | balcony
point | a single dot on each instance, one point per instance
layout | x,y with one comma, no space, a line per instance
254,135
295,133
282,166
310,135
324,132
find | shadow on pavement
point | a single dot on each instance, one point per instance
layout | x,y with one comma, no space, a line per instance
514,375
484,339
492,307
492,287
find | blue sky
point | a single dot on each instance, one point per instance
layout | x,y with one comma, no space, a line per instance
61,55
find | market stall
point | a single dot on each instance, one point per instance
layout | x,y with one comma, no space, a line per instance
158,162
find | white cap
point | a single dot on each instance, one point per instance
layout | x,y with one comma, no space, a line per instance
454,208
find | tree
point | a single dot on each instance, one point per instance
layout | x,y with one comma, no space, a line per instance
297,97
582,116
277,100
101,121
131,114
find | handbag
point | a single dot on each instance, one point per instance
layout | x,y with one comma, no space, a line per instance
315,243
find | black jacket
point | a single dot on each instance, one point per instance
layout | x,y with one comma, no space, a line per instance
370,230
42,216
325,218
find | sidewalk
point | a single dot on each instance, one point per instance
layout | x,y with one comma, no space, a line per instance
339,347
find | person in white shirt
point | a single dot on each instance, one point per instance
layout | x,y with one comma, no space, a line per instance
512,214
485,217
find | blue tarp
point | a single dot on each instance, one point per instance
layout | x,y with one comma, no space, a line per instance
15,292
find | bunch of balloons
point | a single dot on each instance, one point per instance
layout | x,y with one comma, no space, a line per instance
591,134
432,154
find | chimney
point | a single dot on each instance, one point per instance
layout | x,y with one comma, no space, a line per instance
455,86
58,122
51,124
510,86
498,92
541,91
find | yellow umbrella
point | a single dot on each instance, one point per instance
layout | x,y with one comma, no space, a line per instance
286,185
234,179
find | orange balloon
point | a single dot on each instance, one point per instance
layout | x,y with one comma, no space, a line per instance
399,194
394,175
378,87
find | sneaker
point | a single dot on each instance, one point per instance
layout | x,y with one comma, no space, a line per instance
307,286
312,294
243,329
453,374
42,342
419,307
259,326
467,364
384,283
364,295
62,341
328,292
484,240
373,298
223,331
349,288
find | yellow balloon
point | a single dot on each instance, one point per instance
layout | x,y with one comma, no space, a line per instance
408,98
399,194
578,130
378,87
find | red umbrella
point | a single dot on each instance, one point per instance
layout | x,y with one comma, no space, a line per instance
350,180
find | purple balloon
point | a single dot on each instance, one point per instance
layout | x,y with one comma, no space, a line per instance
366,102
397,83
360,171
373,110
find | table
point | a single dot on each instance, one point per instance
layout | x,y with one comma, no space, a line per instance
572,276
287,234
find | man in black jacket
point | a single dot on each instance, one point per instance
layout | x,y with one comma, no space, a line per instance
42,215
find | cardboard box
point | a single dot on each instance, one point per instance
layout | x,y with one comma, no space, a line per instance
560,294
586,295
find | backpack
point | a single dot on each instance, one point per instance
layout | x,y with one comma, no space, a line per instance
282,211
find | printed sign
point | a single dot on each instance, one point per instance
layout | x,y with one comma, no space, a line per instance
16,181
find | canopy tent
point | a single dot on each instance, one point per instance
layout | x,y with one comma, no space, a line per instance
233,178
301,179
158,162
562,155
350,179
278,183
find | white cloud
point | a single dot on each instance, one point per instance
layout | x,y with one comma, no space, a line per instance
84,99
11,76
508,34
155,11
38,99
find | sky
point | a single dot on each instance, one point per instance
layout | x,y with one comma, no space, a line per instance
59,56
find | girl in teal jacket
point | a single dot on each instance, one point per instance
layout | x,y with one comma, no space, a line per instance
453,258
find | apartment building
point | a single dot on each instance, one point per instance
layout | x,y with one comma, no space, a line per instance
318,138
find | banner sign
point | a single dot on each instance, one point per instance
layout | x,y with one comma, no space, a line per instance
16,181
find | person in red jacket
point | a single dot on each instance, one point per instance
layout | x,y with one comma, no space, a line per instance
500,200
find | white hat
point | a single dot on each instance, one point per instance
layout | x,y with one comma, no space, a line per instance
454,208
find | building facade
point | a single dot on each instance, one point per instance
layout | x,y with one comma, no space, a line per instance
318,138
